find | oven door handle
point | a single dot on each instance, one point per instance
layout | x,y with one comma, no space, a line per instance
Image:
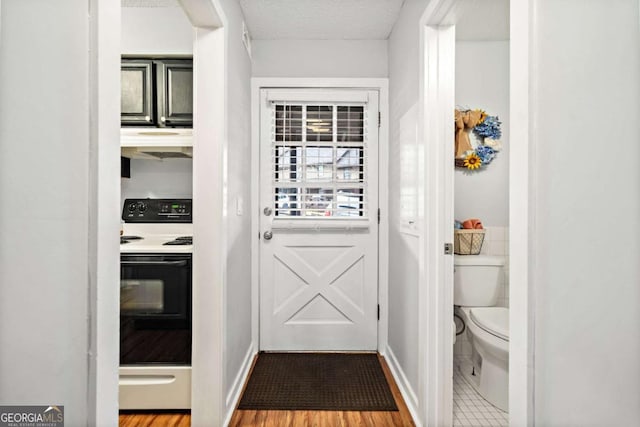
181,263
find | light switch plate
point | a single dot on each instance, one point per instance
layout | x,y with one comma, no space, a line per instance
239,206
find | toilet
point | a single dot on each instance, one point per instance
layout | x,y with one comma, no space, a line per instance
476,286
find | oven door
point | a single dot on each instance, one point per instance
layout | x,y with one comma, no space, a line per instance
155,309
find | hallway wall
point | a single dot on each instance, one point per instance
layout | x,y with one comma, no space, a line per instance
144,31
237,286
586,187
51,167
404,183
319,58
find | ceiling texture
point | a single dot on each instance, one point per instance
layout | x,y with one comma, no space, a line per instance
479,20
149,3
320,19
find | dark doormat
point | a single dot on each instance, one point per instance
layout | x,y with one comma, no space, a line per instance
312,381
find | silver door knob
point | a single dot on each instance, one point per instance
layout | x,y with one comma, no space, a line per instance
268,235
267,211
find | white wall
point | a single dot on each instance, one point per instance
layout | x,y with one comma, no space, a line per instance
238,187
44,214
156,30
482,81
586,202
404,246
319,58
168,178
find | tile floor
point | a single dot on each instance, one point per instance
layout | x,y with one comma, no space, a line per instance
470,409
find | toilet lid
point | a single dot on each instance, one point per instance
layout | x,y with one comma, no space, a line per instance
494,320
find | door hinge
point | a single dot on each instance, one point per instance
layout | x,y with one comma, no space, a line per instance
378,215
379,118
448,248
378,311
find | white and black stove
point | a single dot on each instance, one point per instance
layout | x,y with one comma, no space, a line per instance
156,249
157,226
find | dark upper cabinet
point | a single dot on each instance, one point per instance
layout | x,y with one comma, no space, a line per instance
137,93
175,93
157,92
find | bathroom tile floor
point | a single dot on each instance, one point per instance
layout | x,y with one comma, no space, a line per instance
470,409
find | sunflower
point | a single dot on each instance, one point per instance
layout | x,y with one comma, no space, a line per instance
483,116
472,161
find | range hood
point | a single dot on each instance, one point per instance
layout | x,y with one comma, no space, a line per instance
158,144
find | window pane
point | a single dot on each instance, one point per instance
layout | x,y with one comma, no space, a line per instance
315,175
288,124
318,164
350,123
349,164
349,202
319,123
288,164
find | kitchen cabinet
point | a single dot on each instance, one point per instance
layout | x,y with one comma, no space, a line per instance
157,92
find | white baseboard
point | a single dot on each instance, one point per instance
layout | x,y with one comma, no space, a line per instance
409,396
238,383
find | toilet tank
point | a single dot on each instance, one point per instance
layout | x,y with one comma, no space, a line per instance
476,280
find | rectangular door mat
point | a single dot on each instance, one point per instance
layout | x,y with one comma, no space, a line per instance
318,381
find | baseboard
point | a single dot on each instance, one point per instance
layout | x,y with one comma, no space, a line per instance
406,391
234,394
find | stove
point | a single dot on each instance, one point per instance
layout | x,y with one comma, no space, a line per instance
156,248
157,226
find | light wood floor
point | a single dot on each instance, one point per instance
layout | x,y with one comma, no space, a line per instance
290,418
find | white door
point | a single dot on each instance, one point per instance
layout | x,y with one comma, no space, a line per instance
318,220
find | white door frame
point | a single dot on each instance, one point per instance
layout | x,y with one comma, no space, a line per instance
381,85
208,400
209,146
437,94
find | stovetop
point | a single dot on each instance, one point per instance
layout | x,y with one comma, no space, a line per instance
157,238
156,226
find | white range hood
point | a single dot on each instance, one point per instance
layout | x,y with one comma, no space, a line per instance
156,143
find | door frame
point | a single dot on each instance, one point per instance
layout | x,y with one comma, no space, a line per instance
437,97
382,86
209,23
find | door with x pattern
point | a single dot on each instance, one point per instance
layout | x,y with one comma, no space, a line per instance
318,220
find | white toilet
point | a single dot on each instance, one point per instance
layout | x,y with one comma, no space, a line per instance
476,286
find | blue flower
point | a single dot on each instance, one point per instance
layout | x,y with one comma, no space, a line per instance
486,154
489,128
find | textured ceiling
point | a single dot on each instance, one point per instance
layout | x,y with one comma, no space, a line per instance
320,19
149,3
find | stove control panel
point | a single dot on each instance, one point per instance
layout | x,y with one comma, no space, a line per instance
157,210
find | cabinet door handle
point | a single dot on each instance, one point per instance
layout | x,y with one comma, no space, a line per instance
162,119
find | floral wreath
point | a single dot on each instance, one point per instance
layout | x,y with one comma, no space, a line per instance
486,128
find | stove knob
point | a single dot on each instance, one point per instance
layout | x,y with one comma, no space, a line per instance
132,207
142,207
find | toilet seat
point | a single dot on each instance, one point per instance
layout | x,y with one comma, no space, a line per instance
494,320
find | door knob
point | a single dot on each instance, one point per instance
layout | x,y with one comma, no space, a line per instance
268,235
267,211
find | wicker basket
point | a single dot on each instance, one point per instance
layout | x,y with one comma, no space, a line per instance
468,242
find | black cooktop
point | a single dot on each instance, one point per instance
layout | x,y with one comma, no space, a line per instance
180,241
128,239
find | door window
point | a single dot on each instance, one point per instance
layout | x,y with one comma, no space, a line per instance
319,160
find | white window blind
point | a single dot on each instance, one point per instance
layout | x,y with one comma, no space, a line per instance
319,158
